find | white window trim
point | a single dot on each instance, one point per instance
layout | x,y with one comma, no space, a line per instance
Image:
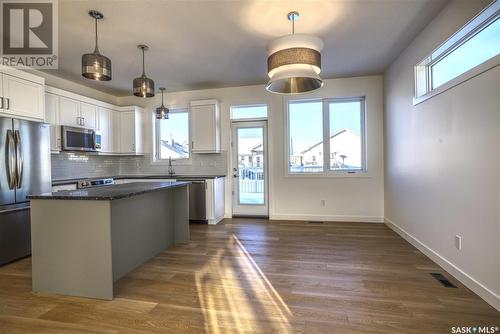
327,172
155,139
487,16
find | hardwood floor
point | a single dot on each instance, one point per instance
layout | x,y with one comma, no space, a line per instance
256,276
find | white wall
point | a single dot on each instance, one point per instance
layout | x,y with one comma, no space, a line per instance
347,198
443,161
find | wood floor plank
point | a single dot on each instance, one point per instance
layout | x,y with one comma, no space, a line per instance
258,276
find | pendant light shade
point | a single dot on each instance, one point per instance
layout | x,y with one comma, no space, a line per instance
294,62
162,111
144,86
95,66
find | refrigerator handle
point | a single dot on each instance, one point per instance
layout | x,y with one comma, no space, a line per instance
11,159
20,159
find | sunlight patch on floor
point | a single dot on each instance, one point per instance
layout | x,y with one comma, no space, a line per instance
236,295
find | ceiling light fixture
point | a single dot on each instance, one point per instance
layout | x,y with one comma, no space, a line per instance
95,66
294,62
162,111
144,86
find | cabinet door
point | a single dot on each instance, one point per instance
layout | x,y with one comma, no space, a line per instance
22,97
115,131
203,129
52,117
88,113
105,128
127,132
69,111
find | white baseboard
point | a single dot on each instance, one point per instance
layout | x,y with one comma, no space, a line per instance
482,291
328,218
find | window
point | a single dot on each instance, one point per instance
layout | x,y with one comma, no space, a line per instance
326,136
172,136
249,112
474,44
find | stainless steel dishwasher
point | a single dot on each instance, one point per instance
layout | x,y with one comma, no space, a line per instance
197,200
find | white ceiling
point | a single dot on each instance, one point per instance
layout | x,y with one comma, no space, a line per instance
208,44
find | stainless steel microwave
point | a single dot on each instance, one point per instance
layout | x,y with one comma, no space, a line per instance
80,139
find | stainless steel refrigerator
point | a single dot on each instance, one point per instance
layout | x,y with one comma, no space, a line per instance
24,170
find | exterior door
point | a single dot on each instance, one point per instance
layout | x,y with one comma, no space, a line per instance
249,169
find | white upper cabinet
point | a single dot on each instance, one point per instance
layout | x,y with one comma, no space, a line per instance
22,95
77,113
69,111
120,127
205,126
105,127
52,117
88,114
131,131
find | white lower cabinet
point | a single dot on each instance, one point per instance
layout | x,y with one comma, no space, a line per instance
214,198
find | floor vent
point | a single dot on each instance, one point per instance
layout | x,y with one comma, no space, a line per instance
443,280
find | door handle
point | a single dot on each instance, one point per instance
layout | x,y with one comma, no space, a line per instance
236,175
11,159
20,159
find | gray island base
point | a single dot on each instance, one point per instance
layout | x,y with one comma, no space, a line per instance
84,240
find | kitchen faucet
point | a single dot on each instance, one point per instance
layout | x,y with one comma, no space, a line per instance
171,171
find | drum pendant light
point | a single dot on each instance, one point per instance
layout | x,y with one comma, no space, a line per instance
294,62
162,111
95,66
144,86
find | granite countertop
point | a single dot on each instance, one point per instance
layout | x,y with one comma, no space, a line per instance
120,177
111,192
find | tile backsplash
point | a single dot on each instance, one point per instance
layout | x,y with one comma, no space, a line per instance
69,165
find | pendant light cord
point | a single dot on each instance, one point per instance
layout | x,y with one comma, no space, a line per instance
143,71
293,26
96,38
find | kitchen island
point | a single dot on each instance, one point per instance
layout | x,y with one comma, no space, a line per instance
84,240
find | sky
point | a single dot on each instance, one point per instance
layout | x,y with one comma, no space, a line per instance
475,51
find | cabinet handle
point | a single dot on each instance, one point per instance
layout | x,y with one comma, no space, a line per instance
7,105
78,121
83,121
1,102
192,145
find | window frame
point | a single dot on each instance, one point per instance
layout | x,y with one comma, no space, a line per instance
156,138
327,171
423,69
250,119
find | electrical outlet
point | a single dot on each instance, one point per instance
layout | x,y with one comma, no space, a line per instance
323,202
458,242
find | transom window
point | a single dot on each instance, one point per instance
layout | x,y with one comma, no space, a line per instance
249,112
454,61
172,136
326,136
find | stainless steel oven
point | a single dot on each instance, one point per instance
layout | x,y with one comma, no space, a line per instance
80,139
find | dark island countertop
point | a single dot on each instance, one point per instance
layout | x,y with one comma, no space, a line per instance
125,176
111,192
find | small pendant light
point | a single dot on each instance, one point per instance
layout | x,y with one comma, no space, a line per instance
95,66
294,62
144,86
162,111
